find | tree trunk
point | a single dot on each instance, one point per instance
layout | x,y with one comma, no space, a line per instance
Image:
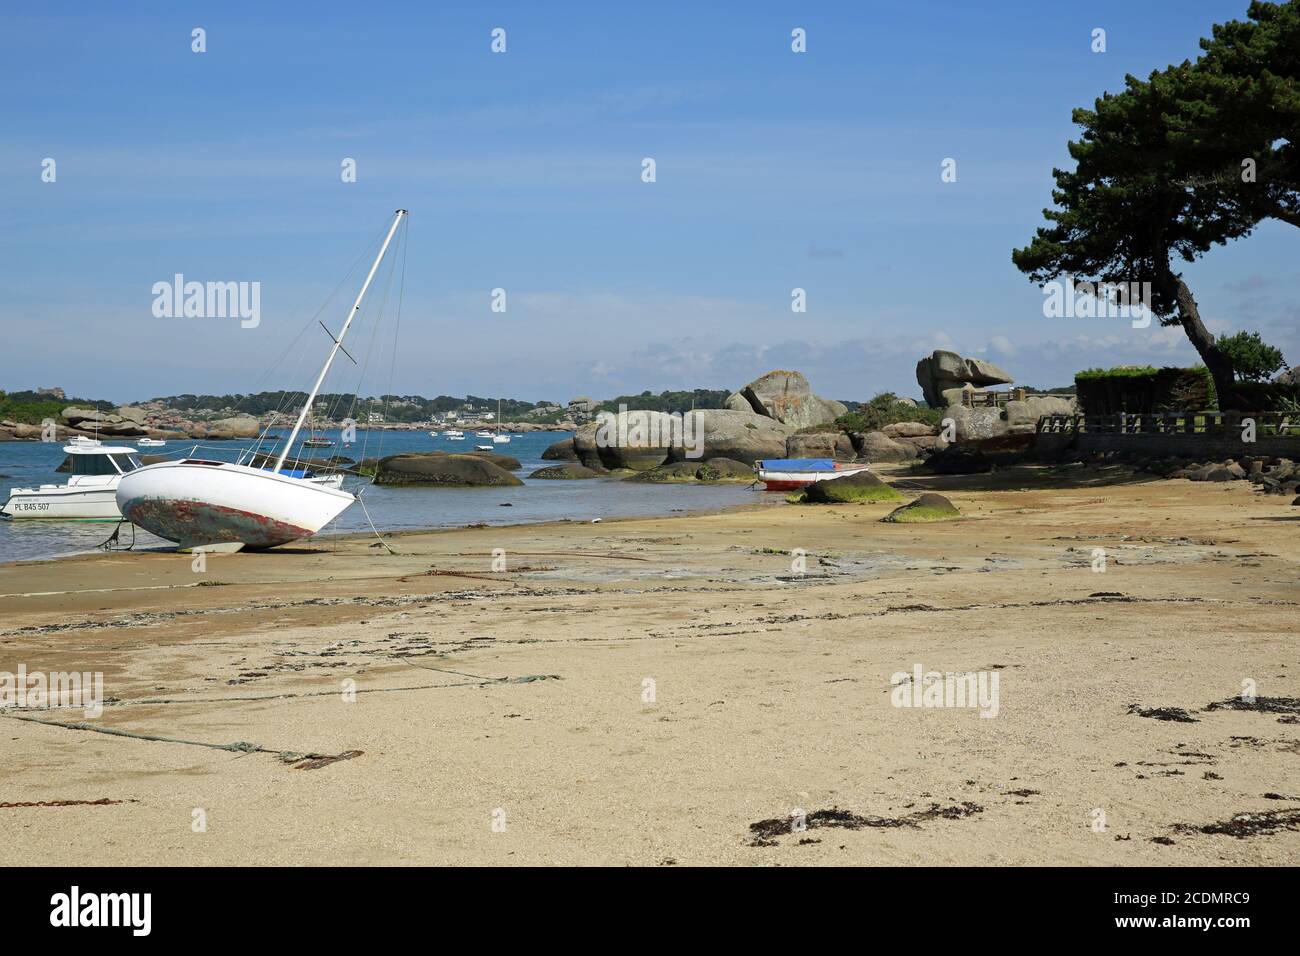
1220,366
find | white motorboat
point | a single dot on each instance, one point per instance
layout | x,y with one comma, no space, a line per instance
90,494
219,506
482,434
151,443
453,433
483,447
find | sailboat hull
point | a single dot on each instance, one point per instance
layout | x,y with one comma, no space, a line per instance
201,503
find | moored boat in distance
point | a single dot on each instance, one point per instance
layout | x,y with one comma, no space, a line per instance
791,474
151,443
498,438
90,494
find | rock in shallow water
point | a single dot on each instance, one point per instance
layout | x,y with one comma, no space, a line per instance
561,451
442,470
571,471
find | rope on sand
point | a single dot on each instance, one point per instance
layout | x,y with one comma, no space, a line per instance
306,761
239,746
361,499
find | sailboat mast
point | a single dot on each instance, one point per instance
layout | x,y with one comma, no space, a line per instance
338,342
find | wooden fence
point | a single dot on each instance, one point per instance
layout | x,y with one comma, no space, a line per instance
979,398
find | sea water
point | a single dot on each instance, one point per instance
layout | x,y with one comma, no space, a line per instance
30,464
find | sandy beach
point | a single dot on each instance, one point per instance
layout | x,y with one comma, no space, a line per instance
644,691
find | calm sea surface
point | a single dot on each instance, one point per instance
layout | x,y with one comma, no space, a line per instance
28,464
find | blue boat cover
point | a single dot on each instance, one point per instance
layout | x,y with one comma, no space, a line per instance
797,464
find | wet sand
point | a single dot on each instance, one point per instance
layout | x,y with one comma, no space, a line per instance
502,716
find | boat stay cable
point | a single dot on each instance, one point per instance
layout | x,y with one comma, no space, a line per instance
306,408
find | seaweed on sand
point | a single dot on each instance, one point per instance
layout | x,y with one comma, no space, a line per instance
765,831
1163,713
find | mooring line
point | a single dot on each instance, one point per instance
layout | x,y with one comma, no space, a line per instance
239,746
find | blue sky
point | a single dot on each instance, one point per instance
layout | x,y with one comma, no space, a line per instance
522,171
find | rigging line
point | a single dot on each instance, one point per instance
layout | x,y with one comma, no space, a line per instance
331,407
269,372
340,397
287,396
374,337
397,329
376,318
378,536
397,326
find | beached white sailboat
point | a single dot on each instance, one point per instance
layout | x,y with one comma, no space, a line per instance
218,506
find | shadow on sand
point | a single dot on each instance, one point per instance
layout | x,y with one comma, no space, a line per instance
1023,477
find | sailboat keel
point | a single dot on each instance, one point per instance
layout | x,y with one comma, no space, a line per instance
196,525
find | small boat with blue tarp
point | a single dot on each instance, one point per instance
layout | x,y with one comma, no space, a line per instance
791,474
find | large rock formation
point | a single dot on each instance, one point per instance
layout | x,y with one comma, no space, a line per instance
1016,417
508,462
713,470
786,397
739,435
242,426
561,451
104,423
645,440
637,440
877,447
944,375
835,445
